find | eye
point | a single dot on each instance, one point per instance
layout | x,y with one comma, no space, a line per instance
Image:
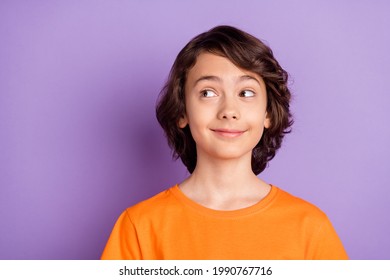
208,93
247,93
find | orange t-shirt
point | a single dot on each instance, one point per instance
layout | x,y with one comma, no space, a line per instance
171,226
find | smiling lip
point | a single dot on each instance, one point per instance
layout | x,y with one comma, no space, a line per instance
231,133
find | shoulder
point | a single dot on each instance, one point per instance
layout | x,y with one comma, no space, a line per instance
312,224
302,215
153,207
296,206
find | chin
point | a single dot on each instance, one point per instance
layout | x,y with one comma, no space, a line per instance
232,154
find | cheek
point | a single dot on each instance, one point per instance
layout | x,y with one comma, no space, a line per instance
198,115
258,123
259,134
197,124
257,118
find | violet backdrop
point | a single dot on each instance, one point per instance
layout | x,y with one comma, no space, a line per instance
79,141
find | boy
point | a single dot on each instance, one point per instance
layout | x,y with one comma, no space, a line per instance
224,111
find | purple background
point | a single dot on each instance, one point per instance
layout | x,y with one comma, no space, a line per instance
79,141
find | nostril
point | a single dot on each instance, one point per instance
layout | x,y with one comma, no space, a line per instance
233,116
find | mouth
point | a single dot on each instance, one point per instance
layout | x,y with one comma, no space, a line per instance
229,133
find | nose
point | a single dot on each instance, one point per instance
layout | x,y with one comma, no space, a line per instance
228,109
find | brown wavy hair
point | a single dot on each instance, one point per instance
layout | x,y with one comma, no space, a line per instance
246,52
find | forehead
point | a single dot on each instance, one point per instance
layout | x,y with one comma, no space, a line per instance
220,68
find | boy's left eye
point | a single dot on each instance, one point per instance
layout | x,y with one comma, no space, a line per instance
247,93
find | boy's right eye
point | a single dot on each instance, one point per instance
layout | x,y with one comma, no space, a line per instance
208,93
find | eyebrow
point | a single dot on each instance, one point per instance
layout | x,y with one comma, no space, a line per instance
218,79
249,77
208,78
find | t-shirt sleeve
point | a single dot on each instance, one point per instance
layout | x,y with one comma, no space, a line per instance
327,245
123,242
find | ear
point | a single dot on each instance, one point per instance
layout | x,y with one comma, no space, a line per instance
267,120
183,121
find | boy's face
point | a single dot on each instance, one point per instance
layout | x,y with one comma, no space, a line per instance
225,108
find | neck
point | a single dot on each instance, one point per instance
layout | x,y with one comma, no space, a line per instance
227,175
224,183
